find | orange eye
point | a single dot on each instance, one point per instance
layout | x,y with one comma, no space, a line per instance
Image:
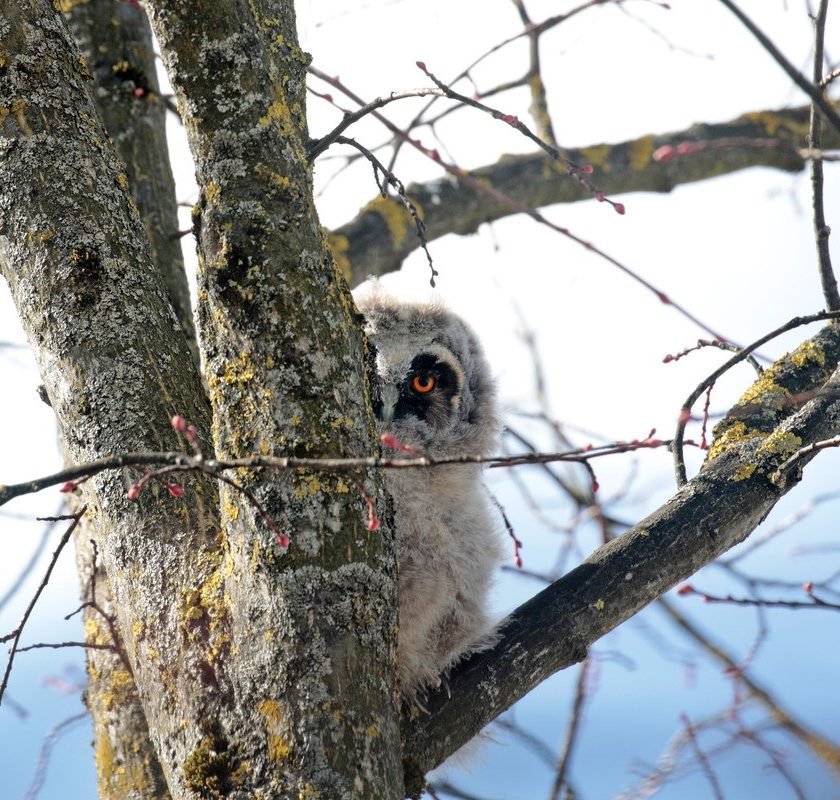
423,384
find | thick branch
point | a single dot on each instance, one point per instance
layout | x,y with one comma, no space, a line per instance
310,659
114,360
116,41
382,234
713,512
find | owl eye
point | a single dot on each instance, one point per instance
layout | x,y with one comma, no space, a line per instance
423,384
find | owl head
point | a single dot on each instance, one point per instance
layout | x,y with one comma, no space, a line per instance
432,386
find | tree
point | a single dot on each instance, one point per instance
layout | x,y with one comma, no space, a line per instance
204,625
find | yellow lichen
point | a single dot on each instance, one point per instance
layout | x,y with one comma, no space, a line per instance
396,218
278,112
765,392
229,508
644,532
308,485
212,192
276,178
207,768
772,123
781,443
104,758
67,5
240,371
122,181
94,633
599,604
641,152
734,435
240,774
340,246
206,607
808,351
597,155
119,689
19,110
743,472
39,237
276,728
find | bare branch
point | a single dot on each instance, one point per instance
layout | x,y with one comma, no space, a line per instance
169,462
757,602
794,74
771,138
802,454
561,776
320,145
821,228
18,632
553,630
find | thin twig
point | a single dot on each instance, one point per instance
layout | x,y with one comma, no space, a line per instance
18,632
577,171
24,573
561,775
318,146
480,186
174,461
59,645
702,758
529,31
821,229
44,756
759,602
794,74
397,184
802,453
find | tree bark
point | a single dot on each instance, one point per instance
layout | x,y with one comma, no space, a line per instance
116,41
285,363
258,670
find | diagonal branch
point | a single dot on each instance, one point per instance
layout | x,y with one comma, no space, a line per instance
717,509
793,73
373,244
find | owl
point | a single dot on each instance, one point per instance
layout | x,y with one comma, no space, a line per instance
433,391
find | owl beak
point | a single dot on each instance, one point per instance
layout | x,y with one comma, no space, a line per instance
390,396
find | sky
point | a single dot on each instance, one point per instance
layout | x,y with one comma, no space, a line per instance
737,250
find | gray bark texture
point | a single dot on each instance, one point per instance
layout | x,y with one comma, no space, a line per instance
260,672
244,668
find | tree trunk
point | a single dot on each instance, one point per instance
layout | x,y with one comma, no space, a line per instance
259,670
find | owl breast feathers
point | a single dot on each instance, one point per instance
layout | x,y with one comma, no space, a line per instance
433,391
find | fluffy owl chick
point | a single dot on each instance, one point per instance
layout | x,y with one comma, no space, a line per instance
433,390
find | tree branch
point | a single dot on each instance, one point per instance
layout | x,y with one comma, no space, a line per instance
821,228
706,517
794,74
368,245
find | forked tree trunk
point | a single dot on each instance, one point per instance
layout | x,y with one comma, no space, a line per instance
259,671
